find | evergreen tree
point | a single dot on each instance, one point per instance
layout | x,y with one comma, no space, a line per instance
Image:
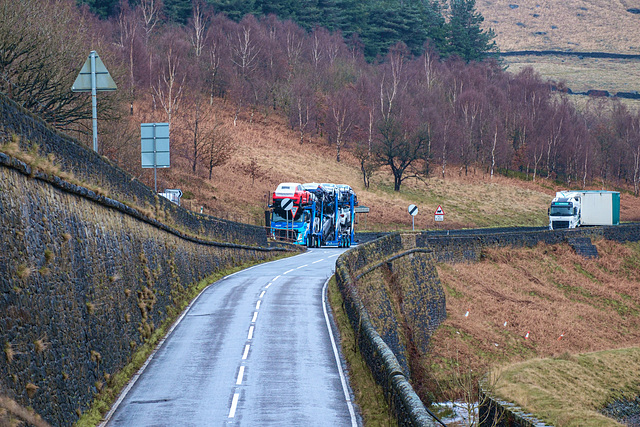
177,11
465,37
234,9
102,8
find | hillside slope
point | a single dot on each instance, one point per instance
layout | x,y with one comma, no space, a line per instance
475,200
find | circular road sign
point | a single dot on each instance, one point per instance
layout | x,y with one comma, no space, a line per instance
413,210
286,204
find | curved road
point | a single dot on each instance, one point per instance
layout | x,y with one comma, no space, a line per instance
254,348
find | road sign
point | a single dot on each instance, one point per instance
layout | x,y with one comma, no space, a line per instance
286,204
413,211
93,78
103,80
439,215
361,209
154,147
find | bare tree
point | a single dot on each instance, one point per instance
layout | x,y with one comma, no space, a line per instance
172,73
218,147
341,119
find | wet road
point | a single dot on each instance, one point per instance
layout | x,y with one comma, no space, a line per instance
253,349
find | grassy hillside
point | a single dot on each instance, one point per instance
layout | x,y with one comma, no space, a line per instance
573,25
475,200
528,303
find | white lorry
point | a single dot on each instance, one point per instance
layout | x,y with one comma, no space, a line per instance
571,209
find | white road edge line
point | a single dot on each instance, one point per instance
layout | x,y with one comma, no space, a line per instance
137,375
345,389
234,405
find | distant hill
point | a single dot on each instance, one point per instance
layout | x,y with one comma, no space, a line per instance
572,25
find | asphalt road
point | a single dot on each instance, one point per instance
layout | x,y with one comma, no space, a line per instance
253,349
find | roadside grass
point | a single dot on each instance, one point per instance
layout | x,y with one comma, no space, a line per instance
117,382
368,395
566,304
570,390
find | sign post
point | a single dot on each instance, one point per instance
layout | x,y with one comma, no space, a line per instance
154,148
287,205
413,211
94,77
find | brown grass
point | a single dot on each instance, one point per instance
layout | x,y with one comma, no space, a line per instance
580,25
470,200
571,390
573,25
567,304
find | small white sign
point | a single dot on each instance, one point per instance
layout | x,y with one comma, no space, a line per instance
439,215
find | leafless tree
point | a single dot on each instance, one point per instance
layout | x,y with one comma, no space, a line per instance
172,74
218,147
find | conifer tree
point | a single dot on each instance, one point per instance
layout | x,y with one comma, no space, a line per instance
465,36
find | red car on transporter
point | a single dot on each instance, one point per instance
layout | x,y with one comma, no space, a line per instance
293,191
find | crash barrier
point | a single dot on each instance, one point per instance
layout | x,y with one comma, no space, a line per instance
87,166
380,347
85,280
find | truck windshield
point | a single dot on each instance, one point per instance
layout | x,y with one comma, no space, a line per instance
304,217
566,210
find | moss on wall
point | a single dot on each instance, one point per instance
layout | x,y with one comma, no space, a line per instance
82,285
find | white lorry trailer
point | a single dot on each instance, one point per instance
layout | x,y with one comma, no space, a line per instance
571,209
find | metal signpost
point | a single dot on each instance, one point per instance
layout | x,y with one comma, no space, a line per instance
94,77
287,205
154,147
413,211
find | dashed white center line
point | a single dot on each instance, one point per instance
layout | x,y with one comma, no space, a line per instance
320,260
302,266
262,294
255,316
288,271
335,255
240,375
275,278
258,305
267,287
234,405
246,352
250,336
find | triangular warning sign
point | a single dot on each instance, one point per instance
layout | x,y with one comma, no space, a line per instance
104,81
294,210
439,211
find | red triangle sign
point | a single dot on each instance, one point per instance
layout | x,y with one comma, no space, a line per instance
294,210
439,211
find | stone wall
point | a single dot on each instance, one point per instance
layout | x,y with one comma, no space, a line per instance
89,167
84,281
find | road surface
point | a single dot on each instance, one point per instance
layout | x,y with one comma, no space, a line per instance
253,349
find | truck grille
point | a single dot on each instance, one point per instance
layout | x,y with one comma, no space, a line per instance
560,224
280,234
